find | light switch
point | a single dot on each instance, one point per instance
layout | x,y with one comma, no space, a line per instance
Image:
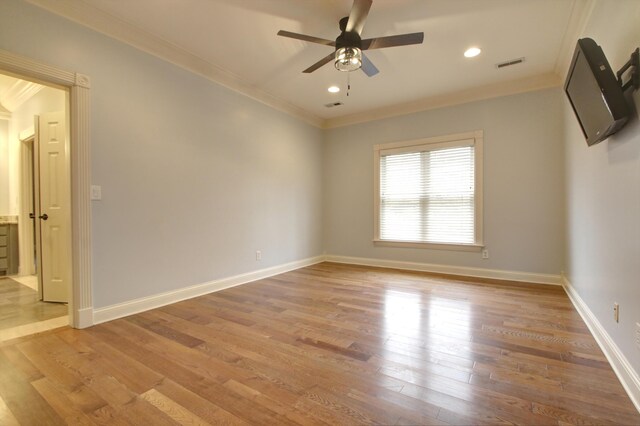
96,192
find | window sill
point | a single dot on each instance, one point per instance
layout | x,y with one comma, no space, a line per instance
432,246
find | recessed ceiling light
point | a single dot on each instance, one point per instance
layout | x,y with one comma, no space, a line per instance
333,89
472,52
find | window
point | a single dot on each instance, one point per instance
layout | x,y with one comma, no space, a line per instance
428,192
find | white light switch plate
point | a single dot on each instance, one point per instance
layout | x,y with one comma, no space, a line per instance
96,192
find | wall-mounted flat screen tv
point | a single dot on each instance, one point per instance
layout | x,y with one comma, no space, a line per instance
595,94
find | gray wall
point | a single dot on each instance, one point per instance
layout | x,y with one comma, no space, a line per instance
48,99
195,177
603,195
523,175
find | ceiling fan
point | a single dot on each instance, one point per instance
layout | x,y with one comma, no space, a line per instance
348,54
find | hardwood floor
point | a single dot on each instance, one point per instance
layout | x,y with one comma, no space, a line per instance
19,305
326,344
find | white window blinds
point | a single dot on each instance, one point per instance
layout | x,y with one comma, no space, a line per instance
428,195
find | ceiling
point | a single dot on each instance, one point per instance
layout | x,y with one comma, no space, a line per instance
14,92
234,42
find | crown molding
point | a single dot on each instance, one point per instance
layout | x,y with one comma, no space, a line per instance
578,20
17,94
523,85
5,114
114,27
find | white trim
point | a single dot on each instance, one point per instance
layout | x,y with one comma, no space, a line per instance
114,27
621,366
80,197
119,310
526,277
430,140
5,114
26,238
84,318
27,134
131,307
580,15
432,246
428,145
496,90
474,139
23,67
18,93
78,87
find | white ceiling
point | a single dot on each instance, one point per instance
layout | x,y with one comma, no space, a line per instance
14,92
238,37
6,82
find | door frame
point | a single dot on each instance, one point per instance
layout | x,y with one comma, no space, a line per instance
78,86
26,225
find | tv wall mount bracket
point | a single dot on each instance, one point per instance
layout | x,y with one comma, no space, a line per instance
634,79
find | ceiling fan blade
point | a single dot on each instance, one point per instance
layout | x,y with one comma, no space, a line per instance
320,63
392,41
358,15
304,37
367,66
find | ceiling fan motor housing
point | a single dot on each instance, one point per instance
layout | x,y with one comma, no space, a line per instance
348,38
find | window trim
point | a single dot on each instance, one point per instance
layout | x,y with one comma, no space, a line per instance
458,139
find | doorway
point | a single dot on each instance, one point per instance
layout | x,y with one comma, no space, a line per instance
79,90
35,208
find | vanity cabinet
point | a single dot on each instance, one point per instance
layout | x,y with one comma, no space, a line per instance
8,249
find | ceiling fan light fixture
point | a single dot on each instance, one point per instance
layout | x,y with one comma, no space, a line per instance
348,59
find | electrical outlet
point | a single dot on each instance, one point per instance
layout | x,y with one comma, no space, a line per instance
616,312
638,335
485,253
258,255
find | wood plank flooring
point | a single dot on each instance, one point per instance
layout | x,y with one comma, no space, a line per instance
327,344
19,305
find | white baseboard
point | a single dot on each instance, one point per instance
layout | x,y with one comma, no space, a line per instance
449,269
623,369
131,307
83,318
90,316
628,376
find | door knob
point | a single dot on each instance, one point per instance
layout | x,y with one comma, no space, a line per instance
44,216
32,215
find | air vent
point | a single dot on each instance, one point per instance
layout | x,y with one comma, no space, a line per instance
333,104
510,63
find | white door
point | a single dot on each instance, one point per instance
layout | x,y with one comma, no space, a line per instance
54,214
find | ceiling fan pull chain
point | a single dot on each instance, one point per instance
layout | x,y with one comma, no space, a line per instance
348,83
